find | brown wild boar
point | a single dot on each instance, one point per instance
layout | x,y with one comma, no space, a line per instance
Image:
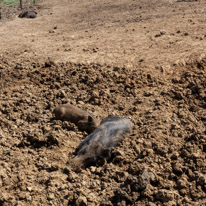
84,120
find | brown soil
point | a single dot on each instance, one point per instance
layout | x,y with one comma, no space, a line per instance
139,59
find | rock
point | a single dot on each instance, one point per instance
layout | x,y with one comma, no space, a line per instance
144,179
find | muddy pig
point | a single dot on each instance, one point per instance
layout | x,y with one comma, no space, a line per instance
111,131
84,120
28,14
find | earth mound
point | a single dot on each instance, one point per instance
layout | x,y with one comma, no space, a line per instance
162,162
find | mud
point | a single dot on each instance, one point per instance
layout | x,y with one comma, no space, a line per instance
144,60
162,161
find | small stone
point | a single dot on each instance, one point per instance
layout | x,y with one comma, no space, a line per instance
29,189
51,196
92,169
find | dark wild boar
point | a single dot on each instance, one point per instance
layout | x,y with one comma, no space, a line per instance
28,14
111,131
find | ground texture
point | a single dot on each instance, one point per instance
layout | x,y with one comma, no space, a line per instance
139,59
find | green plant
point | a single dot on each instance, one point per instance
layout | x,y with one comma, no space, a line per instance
10,2
13,2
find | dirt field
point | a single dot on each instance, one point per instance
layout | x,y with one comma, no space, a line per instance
139,59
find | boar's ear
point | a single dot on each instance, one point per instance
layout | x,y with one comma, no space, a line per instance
90,119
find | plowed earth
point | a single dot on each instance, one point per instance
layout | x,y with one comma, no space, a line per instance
80,53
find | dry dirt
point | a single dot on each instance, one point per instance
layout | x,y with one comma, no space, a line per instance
139,59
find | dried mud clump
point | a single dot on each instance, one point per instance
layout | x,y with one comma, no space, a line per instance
161,162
